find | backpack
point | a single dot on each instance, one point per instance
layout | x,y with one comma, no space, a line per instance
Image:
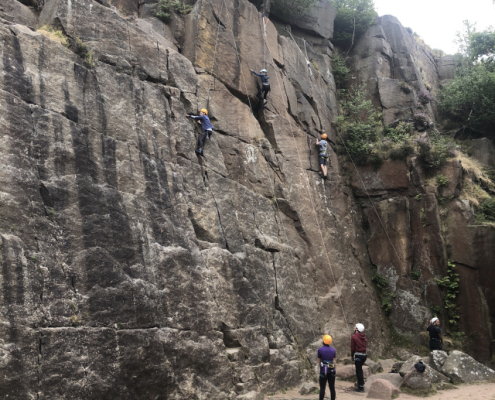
420,367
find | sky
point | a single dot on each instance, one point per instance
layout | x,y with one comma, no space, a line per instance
437,21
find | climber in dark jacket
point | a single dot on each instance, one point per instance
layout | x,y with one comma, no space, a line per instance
265,85
358,353
206,126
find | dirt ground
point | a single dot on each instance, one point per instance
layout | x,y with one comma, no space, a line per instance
481,391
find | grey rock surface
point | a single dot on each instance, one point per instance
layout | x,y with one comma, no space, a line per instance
415,380
394,379
437,359
382,389
462,368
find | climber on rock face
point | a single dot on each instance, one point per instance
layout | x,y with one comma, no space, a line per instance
206,126
323,155
265,85
358,354
326,362
436,338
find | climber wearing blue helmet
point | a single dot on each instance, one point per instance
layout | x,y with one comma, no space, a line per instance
265,85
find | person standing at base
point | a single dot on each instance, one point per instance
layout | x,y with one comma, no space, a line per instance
436,338
323,154
206,126
326,361
358,354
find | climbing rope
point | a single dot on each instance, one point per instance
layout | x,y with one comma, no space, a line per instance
214,57
309,193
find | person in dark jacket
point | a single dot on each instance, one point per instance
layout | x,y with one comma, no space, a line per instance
358,354
206,126
436,338
323,154
265,85
326,362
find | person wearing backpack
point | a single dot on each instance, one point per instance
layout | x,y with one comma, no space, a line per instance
358,354
323,154
326,361
206,126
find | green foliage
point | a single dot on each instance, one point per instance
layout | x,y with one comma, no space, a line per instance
352,19
359,125
450,285
383,289
418,197
486,210
470,97
81,49
435,310
442,180
164,8
415,274
293,8
340,70
435,150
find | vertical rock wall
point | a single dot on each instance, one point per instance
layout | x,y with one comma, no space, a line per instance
131,268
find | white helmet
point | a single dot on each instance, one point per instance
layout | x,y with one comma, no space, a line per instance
263,70
360,327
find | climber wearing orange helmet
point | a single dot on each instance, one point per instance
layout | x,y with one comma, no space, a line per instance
326,361
323,155
206,126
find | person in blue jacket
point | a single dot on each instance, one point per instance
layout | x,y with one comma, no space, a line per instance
206,126
265,85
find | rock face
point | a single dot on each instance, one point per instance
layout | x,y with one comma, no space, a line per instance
129,267
417,381
394,379
461,368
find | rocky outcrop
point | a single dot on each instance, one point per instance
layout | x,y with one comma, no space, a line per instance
461,368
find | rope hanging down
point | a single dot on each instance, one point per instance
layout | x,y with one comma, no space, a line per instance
214,57
310,196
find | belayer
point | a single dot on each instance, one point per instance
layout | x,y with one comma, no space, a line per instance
323,154
265,85
358,354
436,338
326,362
206,126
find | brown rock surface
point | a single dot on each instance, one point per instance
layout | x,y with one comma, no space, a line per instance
382,389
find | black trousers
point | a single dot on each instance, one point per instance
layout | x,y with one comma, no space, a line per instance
358,362
330,378
435,344
202,138
264,91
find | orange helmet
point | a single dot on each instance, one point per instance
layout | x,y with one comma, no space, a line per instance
324,136
327,339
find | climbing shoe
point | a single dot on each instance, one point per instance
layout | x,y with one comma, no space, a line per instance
199,151
359,390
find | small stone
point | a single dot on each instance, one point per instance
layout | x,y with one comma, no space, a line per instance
308,388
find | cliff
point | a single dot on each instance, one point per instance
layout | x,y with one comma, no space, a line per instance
131,268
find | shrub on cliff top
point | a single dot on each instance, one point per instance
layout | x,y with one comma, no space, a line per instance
352,19
164,8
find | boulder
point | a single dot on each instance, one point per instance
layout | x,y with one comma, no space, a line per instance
408,365
437,359
397,366
434,376
348,371
394,379
308,388
374,366
462,368
417,381
382,389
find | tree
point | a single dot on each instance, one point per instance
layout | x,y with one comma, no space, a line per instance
352,19
470,97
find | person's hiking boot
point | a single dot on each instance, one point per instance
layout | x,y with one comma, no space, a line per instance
359,390
199,151
325,177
